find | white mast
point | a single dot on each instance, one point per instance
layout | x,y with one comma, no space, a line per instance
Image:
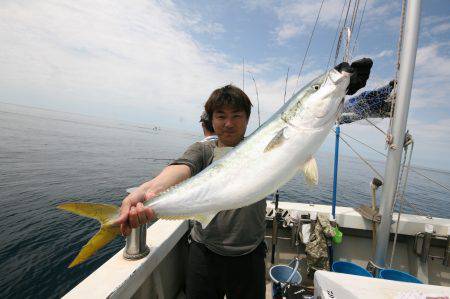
391,174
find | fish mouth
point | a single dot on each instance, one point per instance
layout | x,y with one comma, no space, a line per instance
337,78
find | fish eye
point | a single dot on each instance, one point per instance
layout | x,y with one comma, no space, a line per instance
316,87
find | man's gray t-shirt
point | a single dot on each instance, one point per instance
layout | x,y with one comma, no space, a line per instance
232,232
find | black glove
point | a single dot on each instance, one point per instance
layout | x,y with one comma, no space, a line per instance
360,70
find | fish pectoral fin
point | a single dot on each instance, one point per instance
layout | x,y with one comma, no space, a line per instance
106,215
310,171
276,141
204,219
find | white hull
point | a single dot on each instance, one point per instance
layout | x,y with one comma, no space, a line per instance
161,273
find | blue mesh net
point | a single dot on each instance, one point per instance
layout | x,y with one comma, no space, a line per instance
368,104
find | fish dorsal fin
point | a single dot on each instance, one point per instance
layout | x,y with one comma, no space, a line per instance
276,141
310,171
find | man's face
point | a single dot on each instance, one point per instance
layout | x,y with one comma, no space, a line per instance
229,125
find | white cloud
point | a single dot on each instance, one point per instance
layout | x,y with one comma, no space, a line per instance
441,28
433,26
196,22
435,133
287,31
384,53
431,77
258,4
107,56
303,14
433,20
381,54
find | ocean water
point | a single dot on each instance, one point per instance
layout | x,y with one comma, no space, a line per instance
49,157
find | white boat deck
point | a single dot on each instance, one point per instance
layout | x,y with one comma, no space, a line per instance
120,278
349,218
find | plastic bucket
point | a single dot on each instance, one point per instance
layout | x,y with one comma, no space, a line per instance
281,274
392,274
350,268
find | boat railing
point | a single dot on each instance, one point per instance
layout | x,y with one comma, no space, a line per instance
155,275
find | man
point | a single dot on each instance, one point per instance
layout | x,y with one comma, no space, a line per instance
227,257
208,129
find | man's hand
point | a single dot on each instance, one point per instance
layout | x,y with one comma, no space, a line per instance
133,213
360,70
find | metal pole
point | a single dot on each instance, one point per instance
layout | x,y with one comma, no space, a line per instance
136,245
336,160
407,62
136,242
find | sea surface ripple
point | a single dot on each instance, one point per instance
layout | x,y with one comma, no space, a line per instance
48,158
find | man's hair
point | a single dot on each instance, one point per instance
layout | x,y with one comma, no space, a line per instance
206,121
228,96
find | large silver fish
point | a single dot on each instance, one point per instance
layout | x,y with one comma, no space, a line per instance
258,166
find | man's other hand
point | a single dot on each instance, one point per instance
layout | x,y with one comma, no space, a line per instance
360,70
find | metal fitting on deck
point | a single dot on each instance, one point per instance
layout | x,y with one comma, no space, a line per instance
373,268
136,246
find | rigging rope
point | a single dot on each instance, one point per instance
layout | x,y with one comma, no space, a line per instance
355,13
359,27
377,127
362,158
285,86
399,49
418,211
257,98
243,74
336,34
410,204
384,155
350,31
401,195
430,179
338,46
307,48
365,144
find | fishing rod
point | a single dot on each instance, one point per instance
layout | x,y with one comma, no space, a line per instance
275,227
277,196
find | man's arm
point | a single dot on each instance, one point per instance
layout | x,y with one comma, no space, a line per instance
133,213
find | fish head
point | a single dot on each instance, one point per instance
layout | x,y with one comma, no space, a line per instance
320,102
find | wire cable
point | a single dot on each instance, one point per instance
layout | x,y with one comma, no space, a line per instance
384,155
307,48
401,195
362,158
359,27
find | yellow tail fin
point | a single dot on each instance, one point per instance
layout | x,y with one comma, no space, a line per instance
105,214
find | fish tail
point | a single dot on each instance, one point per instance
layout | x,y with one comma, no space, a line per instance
105,214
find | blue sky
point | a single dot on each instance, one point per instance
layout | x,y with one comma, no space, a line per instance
157,62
